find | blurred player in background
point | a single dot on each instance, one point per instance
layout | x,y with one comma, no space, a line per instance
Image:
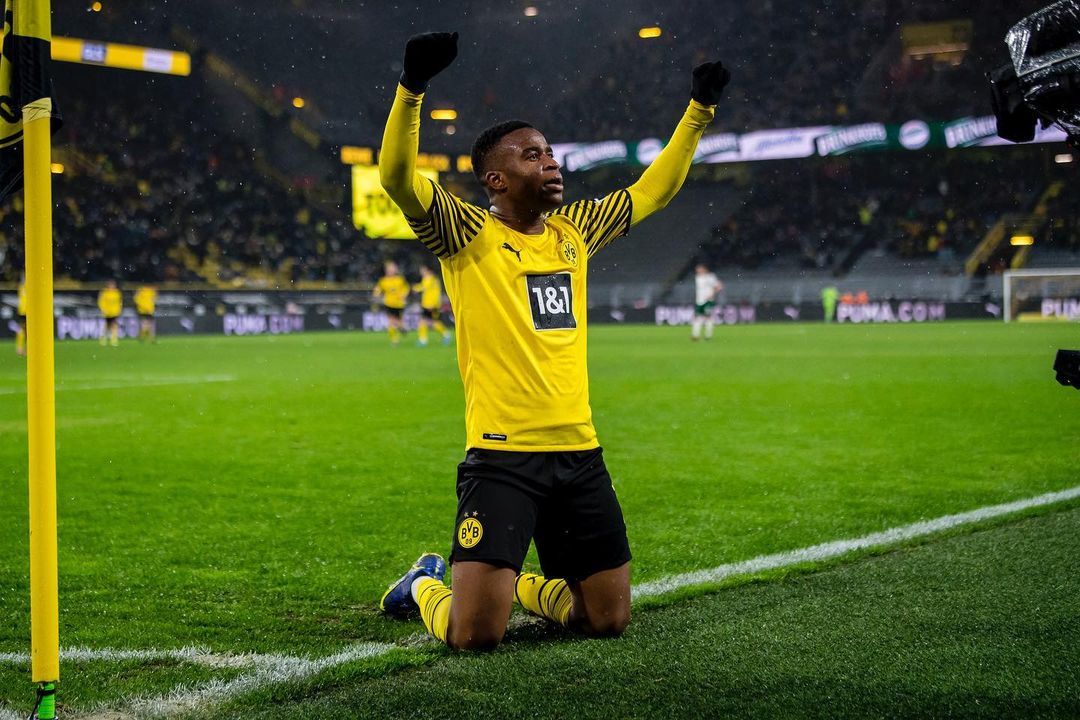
706,289
829,295
430,290
145,302
515,273
110,303
393,290
20,320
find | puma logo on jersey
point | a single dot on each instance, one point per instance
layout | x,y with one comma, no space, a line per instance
506,246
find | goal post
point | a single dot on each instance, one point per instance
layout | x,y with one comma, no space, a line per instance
1041,295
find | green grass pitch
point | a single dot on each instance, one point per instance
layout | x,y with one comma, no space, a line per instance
255,495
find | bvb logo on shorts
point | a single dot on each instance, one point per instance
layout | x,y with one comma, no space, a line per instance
469,532
569,251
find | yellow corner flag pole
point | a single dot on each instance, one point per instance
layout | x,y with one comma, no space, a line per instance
28,70
40,393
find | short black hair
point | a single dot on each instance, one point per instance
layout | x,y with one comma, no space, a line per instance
487,141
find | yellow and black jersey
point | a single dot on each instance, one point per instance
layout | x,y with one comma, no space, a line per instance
519,300
145,300
394,291
110,302
521,317
430,290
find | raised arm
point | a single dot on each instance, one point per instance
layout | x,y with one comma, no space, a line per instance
425,57
663,178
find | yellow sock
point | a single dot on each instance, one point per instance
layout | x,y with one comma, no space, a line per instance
548,598
439,327
20,342
394,335
423,331
114,335
434,601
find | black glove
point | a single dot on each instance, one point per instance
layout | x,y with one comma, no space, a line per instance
709,82
426,56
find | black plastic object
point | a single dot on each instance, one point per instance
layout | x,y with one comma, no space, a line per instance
1067,367
1043,82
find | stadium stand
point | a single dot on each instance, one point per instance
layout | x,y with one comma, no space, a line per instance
190,180
168,199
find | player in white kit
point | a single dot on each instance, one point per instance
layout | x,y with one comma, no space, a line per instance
706,287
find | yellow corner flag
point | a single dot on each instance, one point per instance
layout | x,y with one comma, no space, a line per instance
24,82
26,109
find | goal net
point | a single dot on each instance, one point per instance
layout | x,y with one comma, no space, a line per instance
1041,295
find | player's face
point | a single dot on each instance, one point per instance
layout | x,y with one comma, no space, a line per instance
529,170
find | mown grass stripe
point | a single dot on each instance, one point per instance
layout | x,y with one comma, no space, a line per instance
121,385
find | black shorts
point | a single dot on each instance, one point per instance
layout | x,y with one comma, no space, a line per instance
393,312
564,501
110,322
146,316
432,314
20,320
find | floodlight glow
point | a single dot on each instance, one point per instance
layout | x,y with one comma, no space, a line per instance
298,102
444,114
531,11
1022,240
1063,159
649,32
57,168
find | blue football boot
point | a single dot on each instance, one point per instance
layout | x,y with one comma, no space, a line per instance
398,601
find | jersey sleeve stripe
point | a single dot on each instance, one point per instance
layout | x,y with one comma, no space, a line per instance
451,223
613,221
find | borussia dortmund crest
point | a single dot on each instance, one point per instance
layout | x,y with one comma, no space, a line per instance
569,252
469,532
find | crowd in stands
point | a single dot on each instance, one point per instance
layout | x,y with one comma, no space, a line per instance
1062,232
796,64
793,64
172,200
164,195
824,215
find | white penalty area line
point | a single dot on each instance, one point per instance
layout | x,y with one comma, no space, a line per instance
263,671
120,384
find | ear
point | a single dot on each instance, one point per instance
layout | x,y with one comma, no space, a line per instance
495,181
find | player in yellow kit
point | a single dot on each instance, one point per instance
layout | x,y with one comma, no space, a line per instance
515,273
110,303
430,290
20,320
145,304
393,290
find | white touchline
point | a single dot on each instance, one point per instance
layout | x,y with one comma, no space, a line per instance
135,383
828,550
193,655
269,670
262,671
